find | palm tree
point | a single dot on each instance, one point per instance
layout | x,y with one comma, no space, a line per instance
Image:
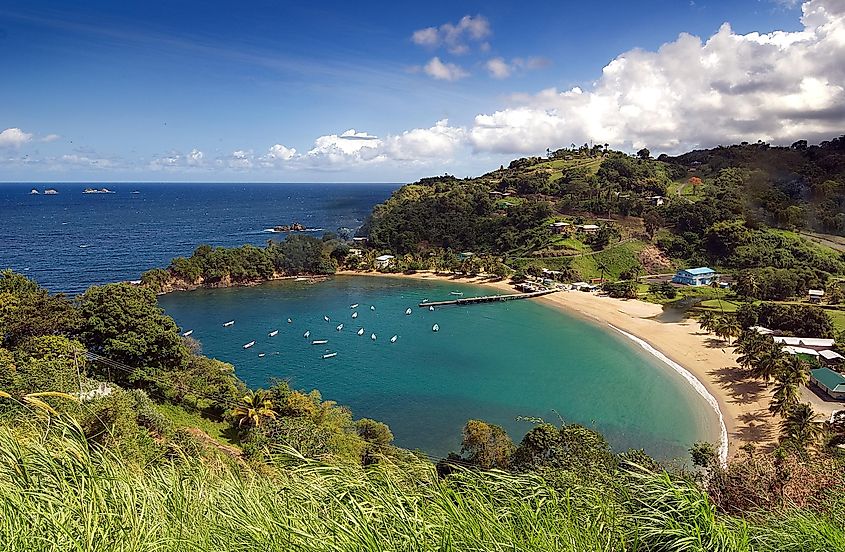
750,347
726,327
707,321
769,363
255,407
793,374
800,429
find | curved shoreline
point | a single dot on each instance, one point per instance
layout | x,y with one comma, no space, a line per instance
741,406
695,383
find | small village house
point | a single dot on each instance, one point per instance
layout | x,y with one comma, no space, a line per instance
701,276
384,261
560,227
815,295
656,200
829,382
356,252
588,228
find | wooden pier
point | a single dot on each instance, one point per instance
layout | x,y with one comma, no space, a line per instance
488,298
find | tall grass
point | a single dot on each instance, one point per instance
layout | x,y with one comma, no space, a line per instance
59,493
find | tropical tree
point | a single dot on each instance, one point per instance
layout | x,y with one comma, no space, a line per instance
799,430
727,327
254,408
707,321
750,347
788,381
769,363
486,445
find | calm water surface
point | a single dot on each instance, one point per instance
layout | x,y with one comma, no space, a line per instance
495,362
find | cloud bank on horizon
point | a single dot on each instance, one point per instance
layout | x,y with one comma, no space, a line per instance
778,86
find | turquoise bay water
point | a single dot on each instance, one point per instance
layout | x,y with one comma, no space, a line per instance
495,362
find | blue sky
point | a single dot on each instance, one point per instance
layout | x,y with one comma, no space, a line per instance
267,91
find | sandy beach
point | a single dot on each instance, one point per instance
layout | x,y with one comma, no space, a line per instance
743,403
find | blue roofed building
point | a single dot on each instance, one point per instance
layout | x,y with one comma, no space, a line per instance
701,276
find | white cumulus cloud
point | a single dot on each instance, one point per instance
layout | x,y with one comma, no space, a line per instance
14,138
439,142
776,86
444,71
454,36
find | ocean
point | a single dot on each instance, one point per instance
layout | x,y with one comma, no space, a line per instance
70,241
503,362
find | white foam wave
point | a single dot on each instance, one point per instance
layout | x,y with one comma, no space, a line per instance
696,384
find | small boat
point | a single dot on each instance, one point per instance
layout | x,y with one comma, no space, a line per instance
329,355
373,337
339,327
354,315
326,318
431,308
229,323
274,333
290,321
408,310
435,328
456,293
260,355
319,342
250,344
361,331
186,334
134,192
307,334
372,307
394,338
355,306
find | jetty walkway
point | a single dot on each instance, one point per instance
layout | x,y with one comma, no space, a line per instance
488,298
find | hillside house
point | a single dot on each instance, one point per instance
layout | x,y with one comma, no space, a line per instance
560,227
587,228
815,295
701,276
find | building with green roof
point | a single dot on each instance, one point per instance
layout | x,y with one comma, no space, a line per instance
832,383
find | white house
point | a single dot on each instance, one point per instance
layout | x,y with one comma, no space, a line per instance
701,276
588,228
384,261
815,295
559,227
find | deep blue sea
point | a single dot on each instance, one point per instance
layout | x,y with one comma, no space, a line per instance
69,241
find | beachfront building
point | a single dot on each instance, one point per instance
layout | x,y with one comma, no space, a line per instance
701,276
815,295
560,227
384,261
830,382
356,252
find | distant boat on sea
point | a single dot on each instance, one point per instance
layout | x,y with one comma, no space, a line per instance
394,338
229,323
354,315
361,331
307,334
51,191
431,308
274,333
319,342
373,337
134,192
355,306
33,192
250,344
186,334
372,307
339,327
435,328
260,355
456,292
290,321
329,355
408,310
326,318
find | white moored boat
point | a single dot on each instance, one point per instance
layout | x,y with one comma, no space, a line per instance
329,355
354,315
250,344
186,334
290,321
355,306
260,355
229,323
408,310
456,292
394,338
326,318
435,328
372,307
319,342
361,331
373,337
274,333
431,308
307,334
339,327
